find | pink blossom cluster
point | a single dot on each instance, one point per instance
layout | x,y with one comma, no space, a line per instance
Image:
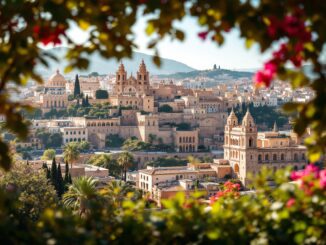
230,190
310,179
48,35
293,27
307,176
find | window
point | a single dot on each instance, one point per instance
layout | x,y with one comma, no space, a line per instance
282,157
274,157
303,157
266,157
250,142
295,157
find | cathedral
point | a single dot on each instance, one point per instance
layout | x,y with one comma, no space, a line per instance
133,92
247,150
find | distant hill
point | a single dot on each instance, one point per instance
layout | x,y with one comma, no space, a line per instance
218,74
103,66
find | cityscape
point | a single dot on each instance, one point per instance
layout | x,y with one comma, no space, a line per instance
103,141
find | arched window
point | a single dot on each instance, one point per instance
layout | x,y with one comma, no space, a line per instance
274,157
250,142
259,158
295,157
266,157
303,157
282,157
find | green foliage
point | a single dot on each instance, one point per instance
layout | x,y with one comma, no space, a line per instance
82,190
265,217
31,190
183,126
113,140
48,154
105,161
125,161
60,184
168,162
266,115
165,108
135,145
101,94
71,152
49,140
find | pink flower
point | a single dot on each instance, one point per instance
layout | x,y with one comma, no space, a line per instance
281,54
295,175
203,35
290,202
322,177
263,78
311,169
293,26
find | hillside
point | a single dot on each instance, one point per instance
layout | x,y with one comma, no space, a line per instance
218,74
103,66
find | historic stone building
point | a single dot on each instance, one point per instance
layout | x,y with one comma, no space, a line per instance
247,150
54,94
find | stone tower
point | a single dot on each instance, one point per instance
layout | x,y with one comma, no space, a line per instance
143,78
121,77
231,122
248,147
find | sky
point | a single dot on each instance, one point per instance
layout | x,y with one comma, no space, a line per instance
195,52
201,54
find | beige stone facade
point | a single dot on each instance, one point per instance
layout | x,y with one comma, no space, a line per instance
247,150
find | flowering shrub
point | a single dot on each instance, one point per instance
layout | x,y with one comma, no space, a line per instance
284,214
293,27
231,190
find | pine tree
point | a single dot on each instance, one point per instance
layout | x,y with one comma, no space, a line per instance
77,87
61,186
54,173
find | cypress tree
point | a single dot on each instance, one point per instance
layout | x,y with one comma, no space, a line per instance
77,87
87,102
69,179
83,102
67,174
61,187
54,174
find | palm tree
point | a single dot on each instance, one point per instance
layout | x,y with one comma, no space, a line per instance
125,160
71,153
79,194
193,161
118,190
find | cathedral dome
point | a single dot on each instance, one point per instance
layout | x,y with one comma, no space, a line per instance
57,80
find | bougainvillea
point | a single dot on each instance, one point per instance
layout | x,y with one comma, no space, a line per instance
230,190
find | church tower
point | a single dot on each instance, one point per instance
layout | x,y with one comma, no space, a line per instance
248,147
143,78
121,77
231,122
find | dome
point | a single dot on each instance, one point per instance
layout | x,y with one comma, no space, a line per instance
57,80
248,119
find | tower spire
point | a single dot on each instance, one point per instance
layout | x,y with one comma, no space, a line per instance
275,129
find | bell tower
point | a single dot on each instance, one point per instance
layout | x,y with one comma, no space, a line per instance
248,147
231,122
143,78
121,77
